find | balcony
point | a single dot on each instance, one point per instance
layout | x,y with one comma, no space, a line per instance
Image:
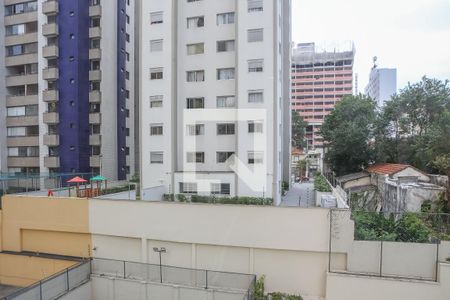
95,32
30,37
50,29
21,100
51,118
20,162
95,75
21,79
95,140
50,7
21,18
22,59
22,141
50,51
95,97
51,140
95,53
95,118
51,162
95,161
22,121
50,95
51,74
95,10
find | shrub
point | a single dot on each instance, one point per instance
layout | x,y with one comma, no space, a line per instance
169,197
282,296
448,259
321,184
181,198
258,288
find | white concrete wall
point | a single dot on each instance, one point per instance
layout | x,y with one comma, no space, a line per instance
351,287
246,239
106,288
82,292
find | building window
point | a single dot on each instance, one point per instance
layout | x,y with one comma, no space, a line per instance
225,74
222,157
195,157
225,129
225,18
255,96
31,151
156,73
195,22
220,188
156,45
156,101
255,5
195,76
193,49
226,101
156,17
156,129
255,127
255,65
255,35
225,46
193,103
196,129
255,157
156,157
188,188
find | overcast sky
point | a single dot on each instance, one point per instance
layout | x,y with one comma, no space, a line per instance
410,35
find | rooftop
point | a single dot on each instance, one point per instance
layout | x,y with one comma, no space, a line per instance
387,169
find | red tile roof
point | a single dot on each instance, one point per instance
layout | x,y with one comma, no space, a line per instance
387,169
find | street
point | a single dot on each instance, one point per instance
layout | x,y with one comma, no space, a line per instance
301,194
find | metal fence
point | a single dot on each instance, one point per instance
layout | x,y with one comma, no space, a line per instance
55,286
397,245
204,279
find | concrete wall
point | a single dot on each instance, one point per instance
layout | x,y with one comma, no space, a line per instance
213,237
46,225
350,287
82,292
106,288
19,270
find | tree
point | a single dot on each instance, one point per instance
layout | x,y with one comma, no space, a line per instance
413,123
301,165
347,133
298,130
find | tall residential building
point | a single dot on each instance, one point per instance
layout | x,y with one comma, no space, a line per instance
382,84
213,83
67,91
320,79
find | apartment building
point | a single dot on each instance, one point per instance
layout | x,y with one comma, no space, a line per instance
320,79
212,97
382,84
67,92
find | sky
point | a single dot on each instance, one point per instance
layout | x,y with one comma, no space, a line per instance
410,35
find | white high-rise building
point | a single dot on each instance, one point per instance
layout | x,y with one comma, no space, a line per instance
214,97
382,84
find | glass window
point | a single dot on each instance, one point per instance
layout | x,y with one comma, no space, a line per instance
156,17
195,22
156,73
224,46
225,74
225,129
156,101
255,157
192,103
226,101
255,5
225,18
255,127
220,188
196,129
156,45
195,76
255,96
188,188
255,65
222,157
193,49
156,129
156,157
195,157
255,35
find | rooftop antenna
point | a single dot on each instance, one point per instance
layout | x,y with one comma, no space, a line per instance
375,62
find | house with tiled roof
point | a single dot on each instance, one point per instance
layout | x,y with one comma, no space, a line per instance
397,171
